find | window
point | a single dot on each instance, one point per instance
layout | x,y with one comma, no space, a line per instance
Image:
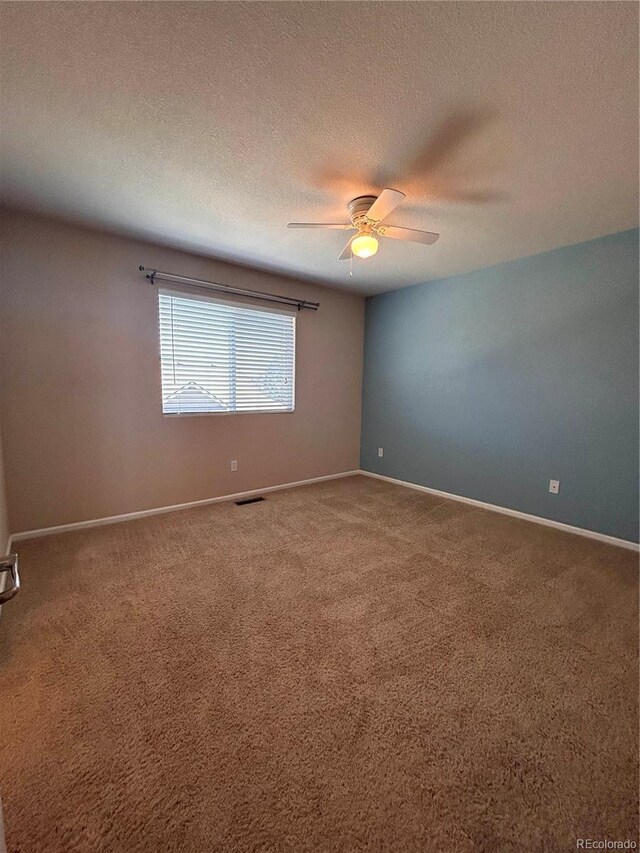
225,357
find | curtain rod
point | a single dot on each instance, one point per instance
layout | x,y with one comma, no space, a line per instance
158,275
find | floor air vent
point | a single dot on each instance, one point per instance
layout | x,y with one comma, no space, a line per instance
248,501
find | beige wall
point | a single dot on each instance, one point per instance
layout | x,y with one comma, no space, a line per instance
4,521
81,418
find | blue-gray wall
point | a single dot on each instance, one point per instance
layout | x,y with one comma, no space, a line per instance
490,384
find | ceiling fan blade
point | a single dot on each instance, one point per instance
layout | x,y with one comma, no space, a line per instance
340,225
346,252
396,233
387,201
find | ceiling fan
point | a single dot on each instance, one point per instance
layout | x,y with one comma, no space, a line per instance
367,213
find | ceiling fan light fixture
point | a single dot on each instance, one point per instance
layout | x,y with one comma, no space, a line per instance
364,245
368,215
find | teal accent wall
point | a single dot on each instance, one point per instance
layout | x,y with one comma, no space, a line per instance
490,384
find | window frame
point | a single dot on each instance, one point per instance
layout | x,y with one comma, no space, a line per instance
239,302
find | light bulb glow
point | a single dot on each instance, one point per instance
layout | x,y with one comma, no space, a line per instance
364,245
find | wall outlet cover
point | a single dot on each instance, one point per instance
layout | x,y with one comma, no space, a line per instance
234,464
381,452
554,486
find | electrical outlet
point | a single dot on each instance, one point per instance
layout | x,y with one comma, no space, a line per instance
234,464
381,452
554,486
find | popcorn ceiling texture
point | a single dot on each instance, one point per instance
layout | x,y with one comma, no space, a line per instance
347,666
512,127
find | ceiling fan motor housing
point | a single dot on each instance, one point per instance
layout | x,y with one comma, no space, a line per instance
359,207
367,214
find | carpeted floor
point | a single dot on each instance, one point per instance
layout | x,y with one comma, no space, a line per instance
346,666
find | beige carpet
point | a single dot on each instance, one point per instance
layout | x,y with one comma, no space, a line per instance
347,666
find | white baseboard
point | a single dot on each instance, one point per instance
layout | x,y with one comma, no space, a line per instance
568,528
129,516
4,581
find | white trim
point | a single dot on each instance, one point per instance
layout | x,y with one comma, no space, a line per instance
4,580
129,516
568,528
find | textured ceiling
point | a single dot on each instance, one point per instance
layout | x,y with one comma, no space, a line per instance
512,127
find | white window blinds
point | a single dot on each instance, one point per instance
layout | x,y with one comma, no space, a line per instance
225,357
